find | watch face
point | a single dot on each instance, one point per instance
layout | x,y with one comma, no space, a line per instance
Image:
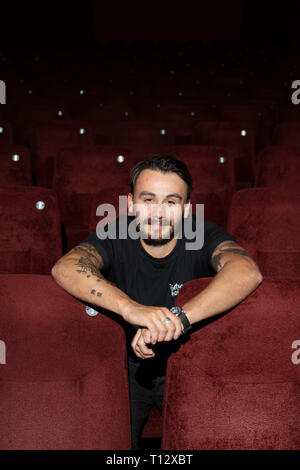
176,310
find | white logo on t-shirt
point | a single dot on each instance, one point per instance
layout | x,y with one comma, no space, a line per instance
175,289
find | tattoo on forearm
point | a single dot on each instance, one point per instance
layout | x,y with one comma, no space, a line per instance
93,291
86,267
216,259
87,249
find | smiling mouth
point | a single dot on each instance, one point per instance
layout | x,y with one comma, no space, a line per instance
159,226
159,223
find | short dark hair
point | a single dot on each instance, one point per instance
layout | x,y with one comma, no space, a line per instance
164,164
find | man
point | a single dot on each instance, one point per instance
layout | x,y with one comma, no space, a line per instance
148,272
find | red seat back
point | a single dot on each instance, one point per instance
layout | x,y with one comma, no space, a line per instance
31,241
64,384
233,384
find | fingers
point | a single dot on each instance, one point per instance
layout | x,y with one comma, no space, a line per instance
154,328
176,322
153,318
134,341
139,345
167,331
146,335
163,329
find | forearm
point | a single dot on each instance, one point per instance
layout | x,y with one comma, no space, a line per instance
79,273
89,285
232,284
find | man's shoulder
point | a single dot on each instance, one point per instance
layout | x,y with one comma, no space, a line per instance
198,222
201,233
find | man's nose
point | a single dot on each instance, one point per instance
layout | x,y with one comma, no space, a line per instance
158,211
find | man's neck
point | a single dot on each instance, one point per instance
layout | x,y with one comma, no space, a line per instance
159,251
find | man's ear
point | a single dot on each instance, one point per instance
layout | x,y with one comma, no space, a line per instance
187,209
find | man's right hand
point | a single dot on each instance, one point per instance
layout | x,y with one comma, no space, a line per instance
153,319
79,273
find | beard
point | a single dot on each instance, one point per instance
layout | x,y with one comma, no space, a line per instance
162,240
155,239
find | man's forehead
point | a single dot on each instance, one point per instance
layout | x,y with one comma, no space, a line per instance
157,178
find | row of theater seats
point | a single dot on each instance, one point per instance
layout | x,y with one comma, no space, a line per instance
264,220
233,385
48,140
235,140
227,155
114,160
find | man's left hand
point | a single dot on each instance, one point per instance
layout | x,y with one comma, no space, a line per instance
139,344
142,340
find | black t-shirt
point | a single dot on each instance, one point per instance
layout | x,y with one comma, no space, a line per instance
155,281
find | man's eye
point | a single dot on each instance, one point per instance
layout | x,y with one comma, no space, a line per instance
147,200
171,202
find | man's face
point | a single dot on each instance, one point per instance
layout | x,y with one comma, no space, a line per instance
159,200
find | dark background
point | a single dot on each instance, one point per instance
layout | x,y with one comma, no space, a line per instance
85,22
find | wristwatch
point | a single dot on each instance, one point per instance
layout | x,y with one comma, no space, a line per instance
184,319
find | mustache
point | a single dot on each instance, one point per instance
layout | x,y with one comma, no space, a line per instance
153,221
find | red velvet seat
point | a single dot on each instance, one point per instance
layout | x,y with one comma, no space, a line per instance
236,136
258,116
233,385
266,222
216,204
211,174
212,167
15,166
31,241
49,139
65,383
278,166
107,196
79,174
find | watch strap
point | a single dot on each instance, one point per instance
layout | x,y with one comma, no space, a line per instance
184,319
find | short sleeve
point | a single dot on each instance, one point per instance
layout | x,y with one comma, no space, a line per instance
213,236
104,248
